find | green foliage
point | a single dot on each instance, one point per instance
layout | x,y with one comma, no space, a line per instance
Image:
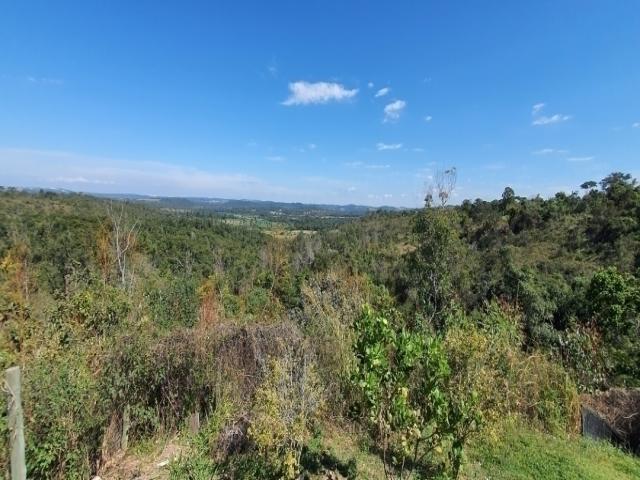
486,356
402,377
194,467
613,300
175,303
257,300
434,263
522,292
64,415
162,377
96,309
285,407
4,445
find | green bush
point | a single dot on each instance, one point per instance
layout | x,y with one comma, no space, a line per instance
402,378
486,356
161,377
286,405
175,303
98,308
65,416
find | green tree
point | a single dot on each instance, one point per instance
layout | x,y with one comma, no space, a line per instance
613,300
401,377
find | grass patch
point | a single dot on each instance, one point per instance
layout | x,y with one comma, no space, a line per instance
342,449
525,454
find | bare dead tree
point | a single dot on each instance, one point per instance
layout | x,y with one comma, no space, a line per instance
444,183
123,238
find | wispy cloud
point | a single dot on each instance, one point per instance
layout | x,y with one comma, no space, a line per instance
382,92
44,168
417,149
393,110
368,166
276,158
377,166
537,108
306,93
81,180
428,118
378,196
557,118
388,146
44,80
272,68
539,119
550,151
580,159
635,125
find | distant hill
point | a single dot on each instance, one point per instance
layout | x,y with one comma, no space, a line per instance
254,207
234,206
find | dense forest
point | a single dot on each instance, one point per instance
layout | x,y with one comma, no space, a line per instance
396,344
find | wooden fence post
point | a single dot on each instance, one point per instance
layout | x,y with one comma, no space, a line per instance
16,424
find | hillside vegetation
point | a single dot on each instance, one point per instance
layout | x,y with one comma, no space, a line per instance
452,341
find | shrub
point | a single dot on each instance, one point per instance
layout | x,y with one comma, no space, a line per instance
64,415
402,378
486,356
97,309
174,304
613,300
162,378
286,405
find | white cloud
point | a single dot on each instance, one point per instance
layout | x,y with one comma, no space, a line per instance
549,151
537,108
276,158
579,159
73,180
382,92
370,84
368,166
417,149
393,110
636,125
539,119
45,80
312,146
388,146
351,189
557,118
59,169
428,118
306,93
377,166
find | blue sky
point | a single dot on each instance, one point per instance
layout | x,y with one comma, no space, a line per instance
318,101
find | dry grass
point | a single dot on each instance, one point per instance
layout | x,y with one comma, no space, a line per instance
621,409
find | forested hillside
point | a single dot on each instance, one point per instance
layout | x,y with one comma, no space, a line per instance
400,344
